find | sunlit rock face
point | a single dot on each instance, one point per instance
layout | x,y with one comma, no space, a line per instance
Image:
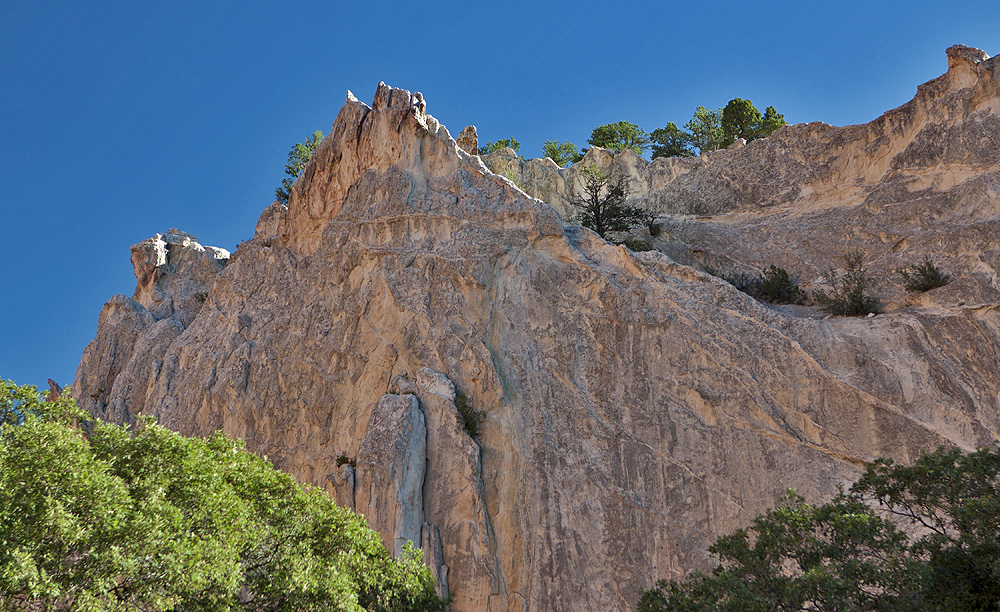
634,407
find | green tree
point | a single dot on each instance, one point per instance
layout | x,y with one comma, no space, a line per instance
849,554
771,122
563,153
740,119
620,136
603,208
508,143
298,157
671,141
953,500
108,519
838,557
705,129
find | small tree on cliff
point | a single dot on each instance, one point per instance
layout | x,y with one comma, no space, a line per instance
603,208
741,119
620,136
298,157
503,143
563,153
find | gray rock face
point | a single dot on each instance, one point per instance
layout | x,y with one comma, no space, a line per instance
392,458
635,408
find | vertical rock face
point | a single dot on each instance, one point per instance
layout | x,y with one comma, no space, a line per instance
634,408
175,274
392,459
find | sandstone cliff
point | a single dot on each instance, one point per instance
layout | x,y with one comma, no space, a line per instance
635,407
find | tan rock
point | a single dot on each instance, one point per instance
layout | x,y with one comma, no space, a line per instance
468,140
635,408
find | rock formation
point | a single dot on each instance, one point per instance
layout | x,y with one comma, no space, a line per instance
634,407
468,140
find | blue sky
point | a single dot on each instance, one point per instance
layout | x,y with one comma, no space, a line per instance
122,119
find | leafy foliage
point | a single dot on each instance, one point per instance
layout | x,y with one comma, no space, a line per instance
298,157
563,153
619,136
150,520
954,498
847,295
504,143
603,208
741,119
840,556
771,122
923,276
705,129
671,141
849,555
773,285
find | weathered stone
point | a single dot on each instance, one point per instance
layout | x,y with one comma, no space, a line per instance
635,408
389,480
430,543
54,391
454,495
468,140
173,270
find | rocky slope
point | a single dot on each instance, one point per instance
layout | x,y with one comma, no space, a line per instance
634,407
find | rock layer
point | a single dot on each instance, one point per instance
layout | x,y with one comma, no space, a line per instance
635,408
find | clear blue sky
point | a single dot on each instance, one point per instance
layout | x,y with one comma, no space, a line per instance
122,119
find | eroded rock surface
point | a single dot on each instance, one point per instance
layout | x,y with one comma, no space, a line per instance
635,408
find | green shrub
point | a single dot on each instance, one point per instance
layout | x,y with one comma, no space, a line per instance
923,277
503,143
847,295
773,285
469,418
637,244
343,459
